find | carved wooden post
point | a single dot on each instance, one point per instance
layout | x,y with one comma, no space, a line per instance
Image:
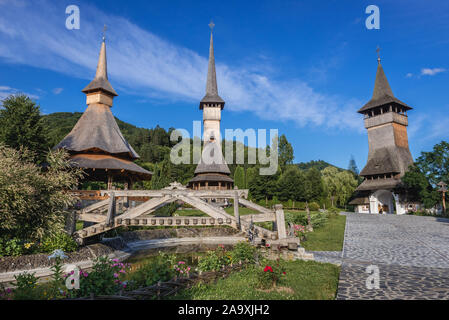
111,209
125,200
110,181
309,227
236,209
70,226
280,222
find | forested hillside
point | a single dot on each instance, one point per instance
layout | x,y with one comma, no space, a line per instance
296,182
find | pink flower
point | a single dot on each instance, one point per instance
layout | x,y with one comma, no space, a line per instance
115,275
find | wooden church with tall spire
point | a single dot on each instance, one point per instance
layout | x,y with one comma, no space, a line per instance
95,143
212,172
389,155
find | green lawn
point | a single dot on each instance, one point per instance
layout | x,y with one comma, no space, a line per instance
327,238
304,280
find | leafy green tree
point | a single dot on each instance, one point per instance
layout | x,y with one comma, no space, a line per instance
161,175
331,183
339,185
313,185
435,164
251,176
33,199
347,183
239,177
418,189
291,185
264,186
420,181
21,126
285,151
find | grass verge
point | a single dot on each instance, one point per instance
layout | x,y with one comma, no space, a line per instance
304,280
327,238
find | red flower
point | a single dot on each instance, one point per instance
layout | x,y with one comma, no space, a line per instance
283,272
268,268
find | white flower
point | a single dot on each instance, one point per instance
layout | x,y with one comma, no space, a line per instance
58,253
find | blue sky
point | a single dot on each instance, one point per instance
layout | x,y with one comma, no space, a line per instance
303,67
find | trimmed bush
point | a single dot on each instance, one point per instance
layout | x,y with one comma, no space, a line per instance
244,252
59,241
313,206
215,260
151,272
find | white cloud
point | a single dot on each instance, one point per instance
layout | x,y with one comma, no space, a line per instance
6,91
431,71
424,128
57,91
147,65
409,75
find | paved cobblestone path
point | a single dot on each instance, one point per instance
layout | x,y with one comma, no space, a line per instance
411,253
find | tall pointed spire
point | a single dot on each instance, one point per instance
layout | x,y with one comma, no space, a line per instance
101,82
211,96
382,93
381,87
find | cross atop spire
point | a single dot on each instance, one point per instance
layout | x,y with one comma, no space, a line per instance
211,25
104,32
378,54
211,96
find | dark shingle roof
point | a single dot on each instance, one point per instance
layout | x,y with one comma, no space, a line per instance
97,129
359,200
211,177
95,161
382,93
377,184
218,163
387,160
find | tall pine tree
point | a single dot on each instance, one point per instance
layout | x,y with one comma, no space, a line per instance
21,126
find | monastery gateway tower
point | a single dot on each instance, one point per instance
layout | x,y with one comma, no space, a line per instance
389,155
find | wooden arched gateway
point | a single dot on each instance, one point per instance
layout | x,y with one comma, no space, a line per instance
104,215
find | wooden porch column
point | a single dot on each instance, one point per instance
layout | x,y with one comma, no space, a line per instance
110,181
